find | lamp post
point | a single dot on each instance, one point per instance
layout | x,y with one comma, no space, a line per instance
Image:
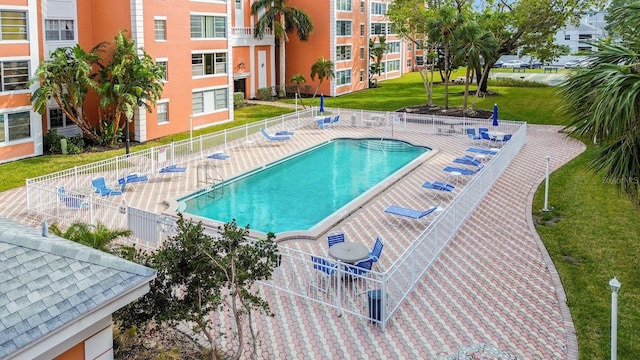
615,286
546,186
126,137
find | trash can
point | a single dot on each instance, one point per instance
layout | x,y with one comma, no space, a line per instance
354,118
375,304
63,146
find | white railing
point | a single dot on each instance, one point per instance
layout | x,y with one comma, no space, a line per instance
296,275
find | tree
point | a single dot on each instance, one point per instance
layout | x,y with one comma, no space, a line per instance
66,78
298,79
98,237
130,80
473,45
323,69
441,29
200,275
282,19
376,52
604,101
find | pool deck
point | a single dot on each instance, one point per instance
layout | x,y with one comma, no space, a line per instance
494,283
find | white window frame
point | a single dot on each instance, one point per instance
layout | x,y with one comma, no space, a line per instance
215,64
5,25
3,77
4,124
338,27
160,20
395,65
343,5
393,47
59,29
210,100
66,122
203,27
362,30
342,80
162,104
165,63
343,53
361,75
362,53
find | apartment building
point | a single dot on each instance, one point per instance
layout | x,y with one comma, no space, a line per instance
342,29
592,26
206,46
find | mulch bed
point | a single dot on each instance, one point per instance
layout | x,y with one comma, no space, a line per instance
452,111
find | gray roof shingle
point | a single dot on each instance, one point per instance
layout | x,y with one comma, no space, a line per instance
47,282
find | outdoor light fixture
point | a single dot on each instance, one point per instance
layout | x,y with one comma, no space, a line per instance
241,65
615,286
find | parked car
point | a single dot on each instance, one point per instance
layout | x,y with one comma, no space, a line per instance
512,64
498,64
532,65
572,64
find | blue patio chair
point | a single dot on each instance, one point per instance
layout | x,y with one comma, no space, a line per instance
359,272
71,201
327,122
101,187
326,269
320,124
377,250
335,120
505,138
483,129
486,138
336,238
471,134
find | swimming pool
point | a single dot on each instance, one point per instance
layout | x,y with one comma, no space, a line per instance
298,192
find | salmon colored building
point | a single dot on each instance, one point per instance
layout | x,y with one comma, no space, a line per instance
206,46
342,29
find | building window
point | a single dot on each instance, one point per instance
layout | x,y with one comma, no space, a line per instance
343,52
343,77
409,62
160,29
13,25
344,5
362,7
362,53
378,8
361,75
162,109
209,101
378,28
208,64
15,126
56,30
393,47
582,37
419,60
208,27
165,65
14,75
392,65
344,28
361,29
567,36
409,46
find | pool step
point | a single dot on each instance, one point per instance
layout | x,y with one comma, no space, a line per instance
381,144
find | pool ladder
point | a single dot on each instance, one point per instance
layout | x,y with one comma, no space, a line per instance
208,174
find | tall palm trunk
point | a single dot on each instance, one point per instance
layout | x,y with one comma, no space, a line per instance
283,40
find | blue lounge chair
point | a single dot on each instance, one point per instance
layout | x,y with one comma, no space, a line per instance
101,187
71,201
131,178
482,151
462,171
467,160
438,186
219,156
402,212
284,133
275,138
336,238
172,169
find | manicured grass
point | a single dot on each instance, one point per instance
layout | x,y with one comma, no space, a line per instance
592,236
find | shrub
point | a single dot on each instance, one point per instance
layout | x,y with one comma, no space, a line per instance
52,141
507,82
265,94
75,144
238,99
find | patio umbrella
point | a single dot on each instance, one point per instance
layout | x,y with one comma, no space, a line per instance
495,115
322,103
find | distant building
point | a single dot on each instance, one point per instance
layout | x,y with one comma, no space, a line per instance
591,27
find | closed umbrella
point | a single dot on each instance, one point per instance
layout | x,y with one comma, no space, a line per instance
495,115
322,103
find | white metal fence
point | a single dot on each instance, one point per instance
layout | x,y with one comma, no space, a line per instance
296,275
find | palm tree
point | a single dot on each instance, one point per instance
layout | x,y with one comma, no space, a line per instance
282,19
472,45
66,78
376,52
323,69
98,237
604,101
441,29
298,79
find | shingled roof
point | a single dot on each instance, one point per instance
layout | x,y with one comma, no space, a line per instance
48,282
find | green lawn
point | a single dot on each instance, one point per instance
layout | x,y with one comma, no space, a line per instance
592,234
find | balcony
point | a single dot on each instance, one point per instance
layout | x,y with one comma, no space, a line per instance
243,36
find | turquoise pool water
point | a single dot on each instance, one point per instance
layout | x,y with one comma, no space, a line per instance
298,192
